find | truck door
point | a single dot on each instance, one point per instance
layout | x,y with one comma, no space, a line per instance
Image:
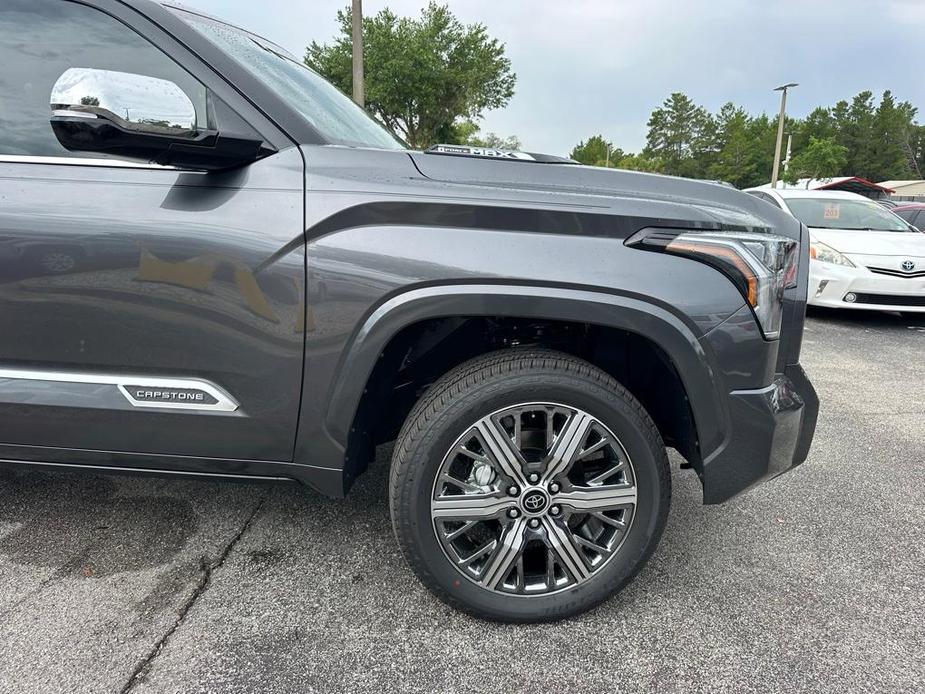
149,316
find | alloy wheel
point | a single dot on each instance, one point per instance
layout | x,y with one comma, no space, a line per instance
533,499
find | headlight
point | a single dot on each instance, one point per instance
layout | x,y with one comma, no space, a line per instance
826,254
760,265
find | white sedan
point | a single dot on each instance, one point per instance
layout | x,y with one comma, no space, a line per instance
862,255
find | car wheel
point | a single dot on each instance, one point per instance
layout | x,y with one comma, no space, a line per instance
528,485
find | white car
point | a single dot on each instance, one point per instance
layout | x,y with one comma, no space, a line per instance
862,255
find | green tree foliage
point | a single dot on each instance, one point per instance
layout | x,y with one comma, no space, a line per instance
856,129
915,149
821,158
820,124
496,141
466,132
641,162
737,158
594,152
860,137
423,75
880,139
892,129
680,135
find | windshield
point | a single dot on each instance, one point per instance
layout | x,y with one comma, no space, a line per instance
336,117
833,213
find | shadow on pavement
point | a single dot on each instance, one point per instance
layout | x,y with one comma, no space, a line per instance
867,319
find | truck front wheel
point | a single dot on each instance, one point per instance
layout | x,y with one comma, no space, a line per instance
528,485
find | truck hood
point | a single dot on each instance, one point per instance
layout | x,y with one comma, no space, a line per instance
666,199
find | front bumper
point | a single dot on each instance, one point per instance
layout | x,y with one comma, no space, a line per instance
771,431
829,284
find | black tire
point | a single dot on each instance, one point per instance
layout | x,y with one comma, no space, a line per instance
485,385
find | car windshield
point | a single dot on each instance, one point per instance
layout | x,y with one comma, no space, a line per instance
338,119
837,213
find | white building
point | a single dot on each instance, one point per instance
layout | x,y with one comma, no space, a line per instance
905,190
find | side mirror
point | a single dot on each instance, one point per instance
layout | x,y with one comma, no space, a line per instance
140,118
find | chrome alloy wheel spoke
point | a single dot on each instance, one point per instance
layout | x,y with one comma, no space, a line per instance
604,498
567,445
502,450
567,552
470,506
506,554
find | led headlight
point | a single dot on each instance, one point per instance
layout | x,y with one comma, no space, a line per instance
826,254
760,265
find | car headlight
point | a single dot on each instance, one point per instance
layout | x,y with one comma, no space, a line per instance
826,254
761,266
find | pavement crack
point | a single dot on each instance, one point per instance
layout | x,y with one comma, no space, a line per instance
16,604
206,570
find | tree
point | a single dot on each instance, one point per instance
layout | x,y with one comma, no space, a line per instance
495,141
876,141
423,75
593,152
679,134
889,155
880,139
915,148
736,161
854,130
821,158
596,151
763,133
467,133
641,162
819,124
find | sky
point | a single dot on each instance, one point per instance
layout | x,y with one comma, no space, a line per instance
587,67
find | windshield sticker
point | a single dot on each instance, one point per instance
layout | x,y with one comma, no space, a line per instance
831,212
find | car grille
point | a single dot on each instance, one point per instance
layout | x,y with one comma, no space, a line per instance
890,299
897,273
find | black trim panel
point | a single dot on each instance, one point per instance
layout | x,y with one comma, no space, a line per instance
499,217
325,481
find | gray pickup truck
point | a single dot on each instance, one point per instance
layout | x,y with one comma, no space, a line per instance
213,263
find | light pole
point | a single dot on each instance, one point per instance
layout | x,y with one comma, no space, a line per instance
358,95
787,155
780,130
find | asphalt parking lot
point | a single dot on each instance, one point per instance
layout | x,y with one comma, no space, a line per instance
812,582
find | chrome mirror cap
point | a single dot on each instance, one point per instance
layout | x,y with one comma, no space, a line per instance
134,102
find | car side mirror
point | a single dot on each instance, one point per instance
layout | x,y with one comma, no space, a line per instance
140,118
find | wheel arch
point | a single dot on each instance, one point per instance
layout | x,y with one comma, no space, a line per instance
381,343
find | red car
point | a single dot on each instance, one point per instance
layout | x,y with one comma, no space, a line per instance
913,212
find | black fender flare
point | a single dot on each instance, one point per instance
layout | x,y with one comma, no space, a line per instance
653,321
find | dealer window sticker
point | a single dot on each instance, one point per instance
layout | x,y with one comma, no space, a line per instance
832,211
